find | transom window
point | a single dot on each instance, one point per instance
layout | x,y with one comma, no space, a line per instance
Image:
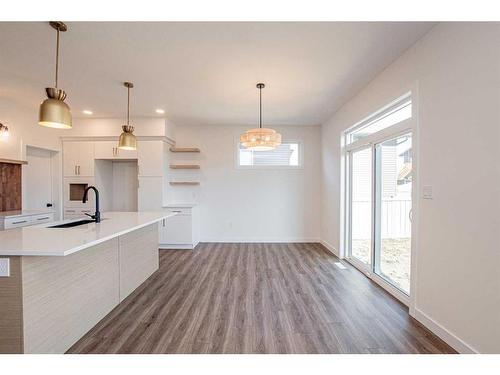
286,155
387,117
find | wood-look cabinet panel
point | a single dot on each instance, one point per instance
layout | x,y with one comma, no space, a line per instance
64,297
11,309
138,258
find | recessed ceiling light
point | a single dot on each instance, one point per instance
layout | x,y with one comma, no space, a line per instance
87,112
160,111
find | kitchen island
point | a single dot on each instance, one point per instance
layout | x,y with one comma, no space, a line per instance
63,281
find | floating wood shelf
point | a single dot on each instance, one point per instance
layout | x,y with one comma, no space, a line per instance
190,183
184,149
184,166
12,161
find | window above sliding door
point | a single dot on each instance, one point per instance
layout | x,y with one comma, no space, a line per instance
379,123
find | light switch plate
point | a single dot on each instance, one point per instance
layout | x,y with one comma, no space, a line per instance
4,267
427,192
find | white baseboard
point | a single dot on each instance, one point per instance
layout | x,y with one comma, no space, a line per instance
330,247
261,240
448,337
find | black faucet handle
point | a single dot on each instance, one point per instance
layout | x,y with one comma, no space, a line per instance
91,216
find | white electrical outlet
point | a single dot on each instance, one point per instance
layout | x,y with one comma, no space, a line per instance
4,267
427,192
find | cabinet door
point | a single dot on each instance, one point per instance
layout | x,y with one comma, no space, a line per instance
43,218
70,159
78,159
105,149
17,222
150,194
125,154
179,230
150,155
85,158
110,150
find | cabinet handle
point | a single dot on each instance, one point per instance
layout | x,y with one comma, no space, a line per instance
43,218
75,170
19,222
163,221
177,211
78,170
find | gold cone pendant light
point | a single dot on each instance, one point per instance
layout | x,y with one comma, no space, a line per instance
127,139
54,113
260,139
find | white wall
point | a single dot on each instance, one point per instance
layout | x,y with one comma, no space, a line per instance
252,205
456,68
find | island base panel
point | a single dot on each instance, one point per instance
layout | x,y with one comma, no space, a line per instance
11,309
49,302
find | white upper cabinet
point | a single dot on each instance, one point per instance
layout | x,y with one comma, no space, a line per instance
78,159
151,158
150,194
110,150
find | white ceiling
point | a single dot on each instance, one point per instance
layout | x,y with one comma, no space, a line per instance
201,73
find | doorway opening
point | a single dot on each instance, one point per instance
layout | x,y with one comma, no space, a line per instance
40,180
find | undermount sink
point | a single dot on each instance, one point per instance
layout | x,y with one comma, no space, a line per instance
73,224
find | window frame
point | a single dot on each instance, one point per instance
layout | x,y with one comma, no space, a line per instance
270,167
376,116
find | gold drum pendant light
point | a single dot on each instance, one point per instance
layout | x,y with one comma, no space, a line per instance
127,139
260,139
54,113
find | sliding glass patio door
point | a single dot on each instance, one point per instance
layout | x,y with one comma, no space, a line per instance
361,206
393,209
379,185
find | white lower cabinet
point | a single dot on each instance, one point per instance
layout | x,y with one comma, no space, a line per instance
19,221
180,231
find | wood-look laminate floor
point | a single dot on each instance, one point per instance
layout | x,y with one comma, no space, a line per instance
258,298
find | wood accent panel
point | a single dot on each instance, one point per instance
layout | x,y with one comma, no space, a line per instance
138,258
64,297
10,187
11,309
184,149
258,298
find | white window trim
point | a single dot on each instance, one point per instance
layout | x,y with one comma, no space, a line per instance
269,167
377,115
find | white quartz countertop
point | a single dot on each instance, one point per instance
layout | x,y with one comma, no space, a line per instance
18,213
40,240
